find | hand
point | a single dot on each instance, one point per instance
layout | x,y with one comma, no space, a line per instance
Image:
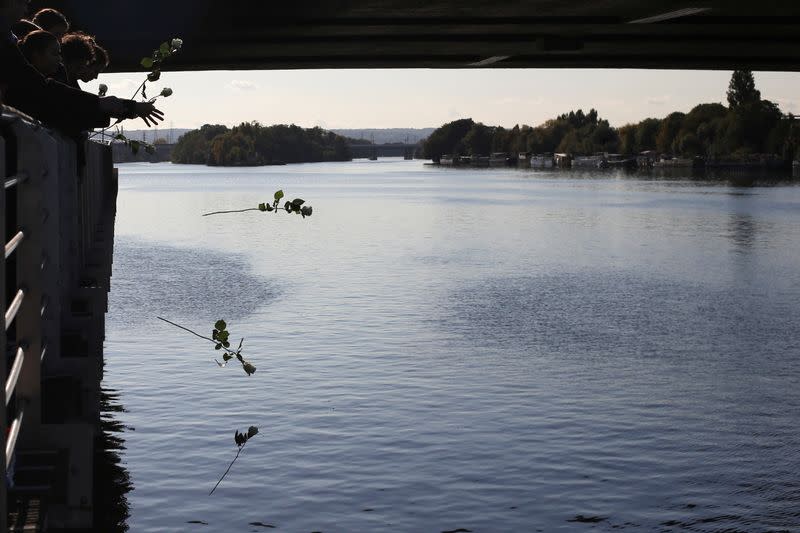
148,112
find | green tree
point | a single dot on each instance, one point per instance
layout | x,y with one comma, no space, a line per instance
699,129
668,131
194,147
742,89
233,148
447,139
604,138
689,145
627,139
250,143
646,132
478,140
572,143
702,114
501,140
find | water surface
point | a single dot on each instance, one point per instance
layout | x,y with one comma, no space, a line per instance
444,349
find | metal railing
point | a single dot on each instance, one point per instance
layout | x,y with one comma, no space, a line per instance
13,374
8,183
50,214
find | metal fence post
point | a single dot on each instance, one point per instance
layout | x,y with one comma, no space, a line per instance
3,347
36,153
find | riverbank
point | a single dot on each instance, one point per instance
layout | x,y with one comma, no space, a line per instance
647,161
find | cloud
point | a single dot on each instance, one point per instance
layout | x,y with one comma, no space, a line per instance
659,100
242,85
122,87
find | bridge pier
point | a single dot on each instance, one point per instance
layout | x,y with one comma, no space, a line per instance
55,280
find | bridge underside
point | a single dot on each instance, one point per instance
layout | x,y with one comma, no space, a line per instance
262,34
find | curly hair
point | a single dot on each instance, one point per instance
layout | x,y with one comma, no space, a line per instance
102,59
78,47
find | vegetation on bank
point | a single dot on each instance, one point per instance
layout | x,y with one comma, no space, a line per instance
251,144
748,125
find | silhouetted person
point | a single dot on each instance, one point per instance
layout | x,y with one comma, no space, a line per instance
52,102
78,53
43,51
23,27
100,63
51,20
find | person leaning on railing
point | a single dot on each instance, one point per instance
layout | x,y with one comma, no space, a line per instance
78,54
43,51
49,101
23,27
51,20
101,62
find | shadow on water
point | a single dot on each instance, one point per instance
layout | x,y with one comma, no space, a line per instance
735,177
112,481
152,280
620,312
742,230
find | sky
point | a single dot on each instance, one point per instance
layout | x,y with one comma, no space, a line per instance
418,98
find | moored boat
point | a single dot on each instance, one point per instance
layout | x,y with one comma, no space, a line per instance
620,161
542,161
589,161
498,159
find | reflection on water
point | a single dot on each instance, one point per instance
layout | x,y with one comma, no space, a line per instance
737,178
742,229
112,481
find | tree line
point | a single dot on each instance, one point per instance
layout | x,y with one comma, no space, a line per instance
251,144
748,125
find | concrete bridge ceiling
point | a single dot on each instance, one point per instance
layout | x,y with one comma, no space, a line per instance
262,34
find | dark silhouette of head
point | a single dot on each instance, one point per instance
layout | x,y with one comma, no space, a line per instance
23,27
101,62
51,20
77,49
43,51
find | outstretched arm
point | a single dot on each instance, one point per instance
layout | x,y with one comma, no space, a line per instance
119,108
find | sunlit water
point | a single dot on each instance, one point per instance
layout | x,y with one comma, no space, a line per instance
444,350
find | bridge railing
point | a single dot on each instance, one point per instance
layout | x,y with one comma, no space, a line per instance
54,203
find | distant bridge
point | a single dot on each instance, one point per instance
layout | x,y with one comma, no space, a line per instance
363,151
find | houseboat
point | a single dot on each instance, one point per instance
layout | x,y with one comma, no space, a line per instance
674,162
498,159
619,161
542,161
562,160
481,161
646,159
589,161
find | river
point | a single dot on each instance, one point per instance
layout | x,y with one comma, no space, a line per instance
455,349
